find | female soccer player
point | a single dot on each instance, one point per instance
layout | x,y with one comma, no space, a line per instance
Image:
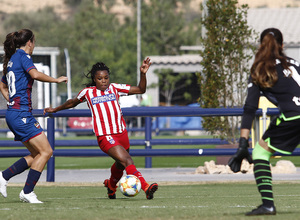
277,77
19,74
108,123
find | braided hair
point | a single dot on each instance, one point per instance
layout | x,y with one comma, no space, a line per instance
91,74
13,41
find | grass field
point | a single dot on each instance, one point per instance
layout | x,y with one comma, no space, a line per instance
221,201
224,201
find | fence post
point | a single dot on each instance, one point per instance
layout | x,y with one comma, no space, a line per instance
148,130
51,139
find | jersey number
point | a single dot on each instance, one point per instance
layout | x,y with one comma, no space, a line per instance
11,80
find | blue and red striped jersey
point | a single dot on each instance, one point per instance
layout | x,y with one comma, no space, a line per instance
19,81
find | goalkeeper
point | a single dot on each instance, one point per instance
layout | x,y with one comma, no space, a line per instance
276,76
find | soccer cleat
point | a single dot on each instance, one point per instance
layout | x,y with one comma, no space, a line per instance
30,197
111,192
150,190
262,210
3,184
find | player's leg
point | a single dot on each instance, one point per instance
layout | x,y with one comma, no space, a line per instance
122,156
263,177
116,171
105,143
18,167
41,152
22,132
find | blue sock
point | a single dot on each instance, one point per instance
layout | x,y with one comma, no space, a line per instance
32,178
18,167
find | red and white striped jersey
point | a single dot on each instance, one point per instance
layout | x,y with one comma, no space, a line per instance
105,108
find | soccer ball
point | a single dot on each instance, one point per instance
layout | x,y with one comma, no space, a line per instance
130,185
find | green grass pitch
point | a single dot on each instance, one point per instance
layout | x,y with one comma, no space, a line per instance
218,201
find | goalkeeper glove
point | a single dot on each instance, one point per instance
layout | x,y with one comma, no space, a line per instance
242,152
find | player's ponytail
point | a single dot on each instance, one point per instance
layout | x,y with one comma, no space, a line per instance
13,41
263,70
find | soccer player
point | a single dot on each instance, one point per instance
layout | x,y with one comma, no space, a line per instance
19,74
277,77
108,123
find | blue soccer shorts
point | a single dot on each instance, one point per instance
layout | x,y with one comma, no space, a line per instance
23,125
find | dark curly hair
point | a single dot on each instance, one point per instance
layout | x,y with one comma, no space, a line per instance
91,74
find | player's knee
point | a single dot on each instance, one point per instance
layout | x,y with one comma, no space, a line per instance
259,153
128,162
47,153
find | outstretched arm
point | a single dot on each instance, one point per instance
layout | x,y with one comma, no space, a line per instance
35,74
141,88
71,103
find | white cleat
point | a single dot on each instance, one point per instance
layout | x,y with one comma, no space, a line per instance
30,197
3,184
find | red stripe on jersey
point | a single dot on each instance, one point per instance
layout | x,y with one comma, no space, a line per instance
30,68
16,101
108,114
88,98
117,109
29,89
115,106
121,124
100,114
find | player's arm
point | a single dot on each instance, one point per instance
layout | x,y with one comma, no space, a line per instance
242,152
250,107
4,90
141,88
71,103
35,74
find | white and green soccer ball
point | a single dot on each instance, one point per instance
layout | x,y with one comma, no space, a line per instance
130,185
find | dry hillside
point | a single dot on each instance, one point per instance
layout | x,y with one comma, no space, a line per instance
9,6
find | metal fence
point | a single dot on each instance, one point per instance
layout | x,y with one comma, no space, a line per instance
148,142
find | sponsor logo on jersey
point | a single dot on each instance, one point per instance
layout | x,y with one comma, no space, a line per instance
102,99
37,125
24,120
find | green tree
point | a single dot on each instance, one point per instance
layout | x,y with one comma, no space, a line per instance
226,53
168,84
97,35
92,33
165,27
49,29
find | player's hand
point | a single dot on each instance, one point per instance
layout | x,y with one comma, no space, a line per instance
48,110
62,79
145,66
242,152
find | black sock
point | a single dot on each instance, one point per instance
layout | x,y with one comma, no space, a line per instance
263,177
